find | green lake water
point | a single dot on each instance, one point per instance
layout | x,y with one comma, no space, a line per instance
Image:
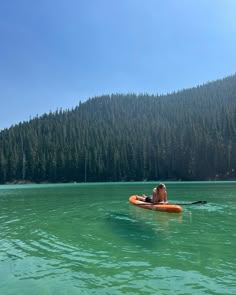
88,239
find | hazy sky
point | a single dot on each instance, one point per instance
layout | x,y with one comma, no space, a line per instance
54,53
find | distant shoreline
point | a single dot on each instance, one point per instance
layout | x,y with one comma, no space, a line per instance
17,182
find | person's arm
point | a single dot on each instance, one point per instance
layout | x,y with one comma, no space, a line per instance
154,195
154,192
165,197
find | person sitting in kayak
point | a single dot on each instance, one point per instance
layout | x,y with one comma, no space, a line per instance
159,195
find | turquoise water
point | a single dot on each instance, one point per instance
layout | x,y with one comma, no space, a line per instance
88,239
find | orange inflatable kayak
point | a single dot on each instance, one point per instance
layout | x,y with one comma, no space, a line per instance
170,208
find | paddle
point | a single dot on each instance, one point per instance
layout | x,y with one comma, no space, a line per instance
192,203
186,203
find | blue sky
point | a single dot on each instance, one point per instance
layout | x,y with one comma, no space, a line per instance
54,53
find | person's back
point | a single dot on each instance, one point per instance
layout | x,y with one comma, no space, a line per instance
159,194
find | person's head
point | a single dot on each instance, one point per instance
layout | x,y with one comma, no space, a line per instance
161,188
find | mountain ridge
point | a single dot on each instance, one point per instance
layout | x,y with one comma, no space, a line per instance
187,135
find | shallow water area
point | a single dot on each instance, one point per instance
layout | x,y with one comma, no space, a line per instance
87,239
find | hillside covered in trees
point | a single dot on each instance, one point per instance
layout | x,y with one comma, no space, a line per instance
187,135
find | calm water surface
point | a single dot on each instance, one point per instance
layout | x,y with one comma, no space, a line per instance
87,239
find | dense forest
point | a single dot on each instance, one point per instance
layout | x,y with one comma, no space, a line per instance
185,135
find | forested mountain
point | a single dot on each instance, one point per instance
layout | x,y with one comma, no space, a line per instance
187,135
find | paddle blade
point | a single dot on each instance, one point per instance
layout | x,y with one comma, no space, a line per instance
200,202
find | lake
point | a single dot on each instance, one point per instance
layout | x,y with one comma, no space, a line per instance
87,239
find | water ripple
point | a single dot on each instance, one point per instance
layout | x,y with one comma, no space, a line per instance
53,241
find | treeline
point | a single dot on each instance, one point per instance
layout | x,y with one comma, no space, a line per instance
187,135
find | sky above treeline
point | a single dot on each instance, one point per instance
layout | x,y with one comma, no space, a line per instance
54,54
